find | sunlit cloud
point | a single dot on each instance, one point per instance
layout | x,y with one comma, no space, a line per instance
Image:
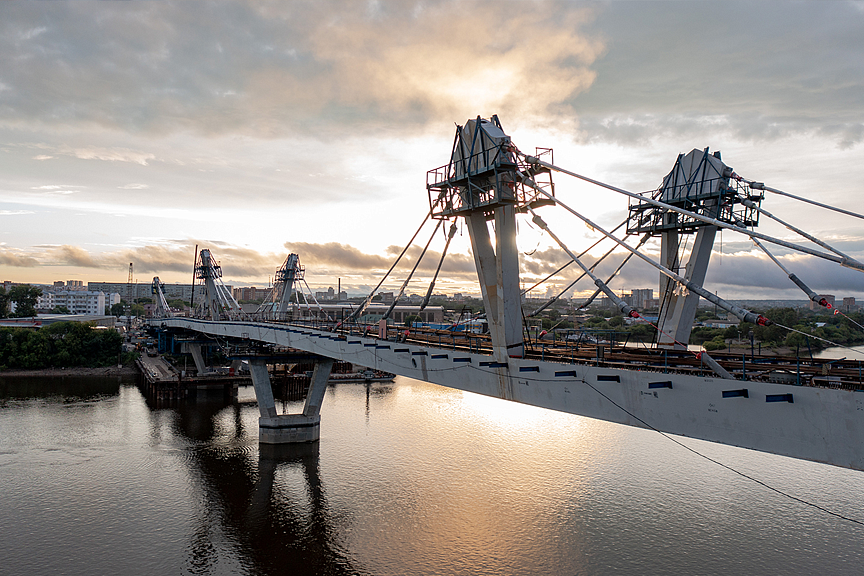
110,154
282,68
16,259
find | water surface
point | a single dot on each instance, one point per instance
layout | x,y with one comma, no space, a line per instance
408,478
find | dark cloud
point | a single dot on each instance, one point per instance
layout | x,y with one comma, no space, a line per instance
742,274
335,259
758,71
336,255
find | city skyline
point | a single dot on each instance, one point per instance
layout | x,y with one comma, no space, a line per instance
131,134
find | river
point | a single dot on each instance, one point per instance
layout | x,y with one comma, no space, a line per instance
408,478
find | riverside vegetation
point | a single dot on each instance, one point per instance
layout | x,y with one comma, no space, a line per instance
64,344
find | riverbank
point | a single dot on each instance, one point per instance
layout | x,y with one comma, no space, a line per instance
74,371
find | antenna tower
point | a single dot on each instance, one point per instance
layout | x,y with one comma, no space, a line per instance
129,283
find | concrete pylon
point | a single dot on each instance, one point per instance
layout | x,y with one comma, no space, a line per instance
676,318
274,428
498,272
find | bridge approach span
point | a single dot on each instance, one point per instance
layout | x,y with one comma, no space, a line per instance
810,423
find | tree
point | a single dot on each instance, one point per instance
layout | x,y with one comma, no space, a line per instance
409,320
24,296
118,309
60,344
60,310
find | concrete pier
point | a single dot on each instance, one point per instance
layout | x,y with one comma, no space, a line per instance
274,428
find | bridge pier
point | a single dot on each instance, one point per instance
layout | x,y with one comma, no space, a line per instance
194,348
274,428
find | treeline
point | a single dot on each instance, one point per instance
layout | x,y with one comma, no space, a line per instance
836,328
64,344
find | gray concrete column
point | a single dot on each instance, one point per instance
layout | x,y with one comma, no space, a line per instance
315,397
263,390
197,357
677,320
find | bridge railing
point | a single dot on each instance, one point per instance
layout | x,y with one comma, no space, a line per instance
803,371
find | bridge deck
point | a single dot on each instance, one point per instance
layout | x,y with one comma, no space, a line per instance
637,388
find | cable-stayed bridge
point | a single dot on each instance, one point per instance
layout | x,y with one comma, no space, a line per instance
809,410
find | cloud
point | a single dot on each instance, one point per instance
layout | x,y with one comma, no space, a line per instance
167,257
177,257
16,259
333,258
68,255
271,69
752,271
42,157
134,187
53,189
750,70
15,212
338,256
109,154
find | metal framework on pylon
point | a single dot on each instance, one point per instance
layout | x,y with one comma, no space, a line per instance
158,290
484,173
219,303
278,305
698,182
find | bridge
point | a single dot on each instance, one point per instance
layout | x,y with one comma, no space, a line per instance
780,405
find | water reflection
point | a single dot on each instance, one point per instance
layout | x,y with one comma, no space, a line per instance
272,526
65,387
412,479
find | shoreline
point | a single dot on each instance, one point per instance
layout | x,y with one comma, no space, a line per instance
72,371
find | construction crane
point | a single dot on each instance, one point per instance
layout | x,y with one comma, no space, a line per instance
158,291
129,288
218,302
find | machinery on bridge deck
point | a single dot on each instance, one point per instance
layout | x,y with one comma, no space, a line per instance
278,305
219,303
158,290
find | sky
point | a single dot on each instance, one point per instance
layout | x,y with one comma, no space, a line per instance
134,131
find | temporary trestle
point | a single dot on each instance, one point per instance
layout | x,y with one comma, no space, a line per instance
278,306
158,290
274,428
